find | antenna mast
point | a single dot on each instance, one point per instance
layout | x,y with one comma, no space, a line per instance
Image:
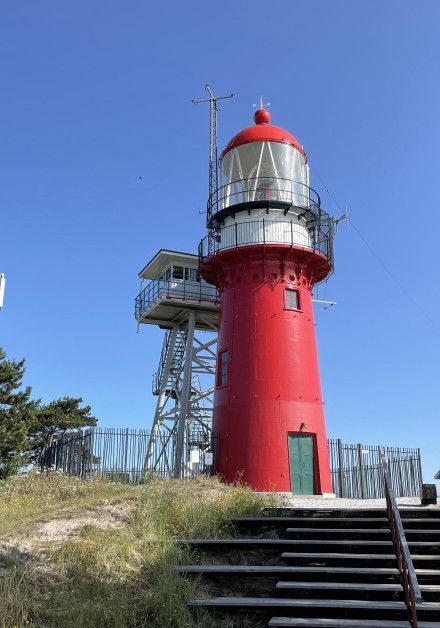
213,156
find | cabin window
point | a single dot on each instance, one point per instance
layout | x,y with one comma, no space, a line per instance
222,368
291,299
192,274
177,272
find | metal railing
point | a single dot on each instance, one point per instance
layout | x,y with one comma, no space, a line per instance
357,470
313,234
265,188
408,577
183,290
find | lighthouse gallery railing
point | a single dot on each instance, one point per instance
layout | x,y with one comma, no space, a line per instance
307,231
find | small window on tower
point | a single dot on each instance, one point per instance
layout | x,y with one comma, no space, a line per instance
291,299
222,368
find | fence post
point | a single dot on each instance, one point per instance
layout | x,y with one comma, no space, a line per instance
125,453
341,469
361,471
419,463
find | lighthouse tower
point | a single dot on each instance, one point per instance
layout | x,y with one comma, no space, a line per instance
269,242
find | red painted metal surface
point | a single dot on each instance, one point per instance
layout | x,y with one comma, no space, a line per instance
273,385
262,131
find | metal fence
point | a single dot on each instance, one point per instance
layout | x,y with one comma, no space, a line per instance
357,470
121,454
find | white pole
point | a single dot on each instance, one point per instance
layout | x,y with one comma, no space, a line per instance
2,289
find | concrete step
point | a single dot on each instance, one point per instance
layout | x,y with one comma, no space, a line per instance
340,590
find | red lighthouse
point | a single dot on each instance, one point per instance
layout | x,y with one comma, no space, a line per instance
269,243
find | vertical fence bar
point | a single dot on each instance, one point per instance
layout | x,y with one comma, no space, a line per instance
341,469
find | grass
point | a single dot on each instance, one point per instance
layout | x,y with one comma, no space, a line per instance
25,499
121,577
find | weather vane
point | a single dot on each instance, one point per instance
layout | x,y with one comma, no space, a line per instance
262,105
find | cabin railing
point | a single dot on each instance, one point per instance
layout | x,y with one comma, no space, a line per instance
175,289
408,577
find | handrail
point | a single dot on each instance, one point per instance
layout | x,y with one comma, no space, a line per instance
408,577
175,289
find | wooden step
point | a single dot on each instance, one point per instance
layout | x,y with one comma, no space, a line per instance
291,606
282,570
343,531
279,543
358,587
311,622
340,590
356,559
312,521
320,513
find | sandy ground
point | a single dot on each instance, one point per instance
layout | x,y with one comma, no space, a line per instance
25,546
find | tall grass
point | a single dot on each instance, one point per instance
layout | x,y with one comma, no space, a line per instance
123,577
35,496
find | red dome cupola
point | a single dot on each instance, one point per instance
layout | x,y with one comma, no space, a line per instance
263,131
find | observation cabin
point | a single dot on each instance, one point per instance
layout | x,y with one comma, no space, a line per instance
265,196
174,289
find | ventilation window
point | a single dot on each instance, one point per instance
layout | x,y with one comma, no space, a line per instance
222,368
291,299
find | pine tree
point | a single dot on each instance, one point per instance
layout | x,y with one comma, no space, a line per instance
54,420
16,412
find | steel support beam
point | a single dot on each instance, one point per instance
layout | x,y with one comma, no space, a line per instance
184,397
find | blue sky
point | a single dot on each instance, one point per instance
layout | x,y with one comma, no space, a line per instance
96,94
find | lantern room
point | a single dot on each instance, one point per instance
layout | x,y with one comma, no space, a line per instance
263,163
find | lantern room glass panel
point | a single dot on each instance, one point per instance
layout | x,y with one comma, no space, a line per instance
264,171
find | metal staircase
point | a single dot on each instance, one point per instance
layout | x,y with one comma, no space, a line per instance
181,430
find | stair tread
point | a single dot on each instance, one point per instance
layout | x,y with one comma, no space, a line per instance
311,622
288,519
283,569
348,530
261,602
355,556
276,542
343,623
351,586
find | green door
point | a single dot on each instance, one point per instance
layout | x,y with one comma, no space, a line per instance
301,464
